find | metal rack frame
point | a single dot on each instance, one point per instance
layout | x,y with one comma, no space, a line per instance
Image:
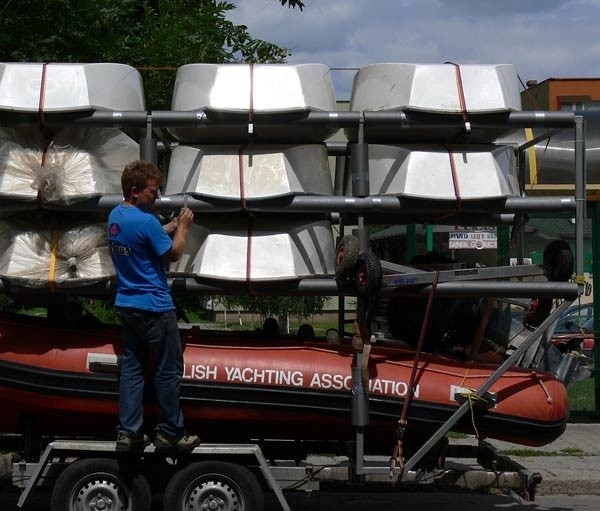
358,207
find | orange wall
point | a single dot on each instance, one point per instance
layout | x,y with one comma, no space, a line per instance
580,87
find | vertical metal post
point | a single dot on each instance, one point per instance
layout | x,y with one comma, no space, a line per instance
580,210
596,294
521,229
580,192
148,144
339,177
339,188
359,164
341,298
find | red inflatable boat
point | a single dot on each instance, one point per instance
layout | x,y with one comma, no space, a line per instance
242,387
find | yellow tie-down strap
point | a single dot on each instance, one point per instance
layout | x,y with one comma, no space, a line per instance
532,161
53,251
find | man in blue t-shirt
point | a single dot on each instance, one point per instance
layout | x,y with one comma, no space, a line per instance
139,246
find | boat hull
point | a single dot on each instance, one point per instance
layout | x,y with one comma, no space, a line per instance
242,388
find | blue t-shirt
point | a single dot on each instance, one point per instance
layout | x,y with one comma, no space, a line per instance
138,244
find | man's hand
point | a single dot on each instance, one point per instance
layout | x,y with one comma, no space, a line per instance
184,221
185,218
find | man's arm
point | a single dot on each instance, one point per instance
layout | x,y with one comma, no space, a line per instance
185,221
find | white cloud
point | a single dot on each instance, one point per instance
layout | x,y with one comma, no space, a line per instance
542,38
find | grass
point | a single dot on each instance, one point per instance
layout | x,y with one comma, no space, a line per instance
531,453
582,396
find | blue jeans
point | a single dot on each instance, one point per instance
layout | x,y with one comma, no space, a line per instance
158,333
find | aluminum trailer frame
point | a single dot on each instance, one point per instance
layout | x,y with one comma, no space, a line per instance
497,470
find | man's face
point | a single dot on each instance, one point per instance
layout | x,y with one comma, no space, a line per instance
145,199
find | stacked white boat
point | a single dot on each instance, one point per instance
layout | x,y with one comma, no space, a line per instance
436,153
245,246
240,160
41,167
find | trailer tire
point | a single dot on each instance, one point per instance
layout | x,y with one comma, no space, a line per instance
558,261
100,483
346,256
368,275
213,485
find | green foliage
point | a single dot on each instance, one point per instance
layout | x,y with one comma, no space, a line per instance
295,306
104,311
293,3
7,304
156,36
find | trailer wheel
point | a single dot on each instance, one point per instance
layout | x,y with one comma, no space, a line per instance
346,255
100,484
369,275
213,485
558,261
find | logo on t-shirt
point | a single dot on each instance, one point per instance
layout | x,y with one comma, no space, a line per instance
113,229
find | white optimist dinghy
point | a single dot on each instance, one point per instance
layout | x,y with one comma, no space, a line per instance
261,94
33,255
450,96
252,172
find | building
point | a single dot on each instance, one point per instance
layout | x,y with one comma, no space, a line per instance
580,94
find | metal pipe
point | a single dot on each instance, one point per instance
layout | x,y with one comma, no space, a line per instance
337,148
403,119
340,175
503,289
98,118
172,119
580,194
359,169
387,204
148,144
520,234
329,286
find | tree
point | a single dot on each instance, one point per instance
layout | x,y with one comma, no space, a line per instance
156,36
300,307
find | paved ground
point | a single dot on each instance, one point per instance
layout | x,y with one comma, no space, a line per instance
569,465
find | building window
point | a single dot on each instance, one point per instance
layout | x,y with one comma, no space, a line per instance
580,106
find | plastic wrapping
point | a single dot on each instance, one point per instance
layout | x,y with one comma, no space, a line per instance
77,164
35,255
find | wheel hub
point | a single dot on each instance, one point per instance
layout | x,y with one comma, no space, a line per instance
214,496
98,495
101,502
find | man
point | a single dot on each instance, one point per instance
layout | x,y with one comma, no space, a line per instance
139,246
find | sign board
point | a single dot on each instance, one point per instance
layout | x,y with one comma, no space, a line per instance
478,238
526,260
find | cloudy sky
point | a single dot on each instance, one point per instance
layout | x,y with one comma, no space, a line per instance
542,38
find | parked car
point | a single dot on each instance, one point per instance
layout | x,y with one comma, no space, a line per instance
575,329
